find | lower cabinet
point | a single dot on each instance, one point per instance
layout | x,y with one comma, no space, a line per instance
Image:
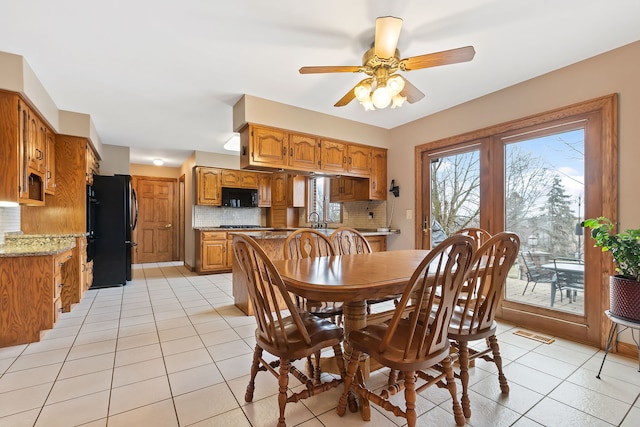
211,252
377,243
78,276
33,287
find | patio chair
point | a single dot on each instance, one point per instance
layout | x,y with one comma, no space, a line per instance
569,278
290,338
534,273
475,319
417,348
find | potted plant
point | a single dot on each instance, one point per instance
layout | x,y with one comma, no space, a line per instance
624,287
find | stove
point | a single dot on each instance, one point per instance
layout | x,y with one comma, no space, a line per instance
240,226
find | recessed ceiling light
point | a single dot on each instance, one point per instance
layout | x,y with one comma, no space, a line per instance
233,144
158,162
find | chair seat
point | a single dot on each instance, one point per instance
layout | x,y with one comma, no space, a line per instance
368,339
462,325
323,333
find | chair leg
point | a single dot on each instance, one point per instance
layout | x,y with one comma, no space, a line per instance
283,382
451,385
525,287
463,360
348,380
410,397
255,366
497,359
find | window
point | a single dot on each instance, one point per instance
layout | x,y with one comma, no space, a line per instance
319,201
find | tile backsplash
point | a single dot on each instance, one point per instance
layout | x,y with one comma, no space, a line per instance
9,221
356,215
212,216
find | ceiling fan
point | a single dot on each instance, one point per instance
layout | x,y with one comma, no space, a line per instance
383,87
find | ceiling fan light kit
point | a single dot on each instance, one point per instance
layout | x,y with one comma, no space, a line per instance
383,87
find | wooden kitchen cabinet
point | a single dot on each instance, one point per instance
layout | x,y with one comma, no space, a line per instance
359,160
211,253
21,156
333,156
264,190
238,179
378,178
92,166
345,189
50,166
377,243
78,276
31,287
208,186
263,146
287,190
304,152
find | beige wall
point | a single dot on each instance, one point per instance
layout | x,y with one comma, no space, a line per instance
155,171
616,71
114,160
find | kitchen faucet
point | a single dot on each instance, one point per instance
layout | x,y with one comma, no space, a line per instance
316,223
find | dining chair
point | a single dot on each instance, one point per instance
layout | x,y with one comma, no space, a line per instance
307,243
347,240
475,320
566,279
534,273
479,235
414,346
290,338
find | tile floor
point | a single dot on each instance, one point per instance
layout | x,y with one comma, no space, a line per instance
170,349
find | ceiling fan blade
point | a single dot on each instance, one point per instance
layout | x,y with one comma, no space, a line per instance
350,96
462,54
412,93
387,34
330,69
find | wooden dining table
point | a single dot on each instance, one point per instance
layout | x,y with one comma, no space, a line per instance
351,279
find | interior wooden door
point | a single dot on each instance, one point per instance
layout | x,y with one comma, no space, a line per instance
157,214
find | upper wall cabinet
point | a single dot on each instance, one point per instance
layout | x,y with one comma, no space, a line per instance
22,152
266,148
239,179
208,186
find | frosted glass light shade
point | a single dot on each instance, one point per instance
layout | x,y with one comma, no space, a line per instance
381,97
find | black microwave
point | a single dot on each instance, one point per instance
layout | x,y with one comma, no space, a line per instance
239,197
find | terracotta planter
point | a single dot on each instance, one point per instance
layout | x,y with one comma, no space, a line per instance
625,298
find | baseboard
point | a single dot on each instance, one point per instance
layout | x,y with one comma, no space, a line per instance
626,349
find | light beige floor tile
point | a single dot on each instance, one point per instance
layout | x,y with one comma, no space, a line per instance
97,326
75,411
265,385
59,332
38,359
12,351
526,422
143,328
23,399
608,386
177,333
138,354
29,377
229,350
531,378
50,344
547,364
136,311
205,403
102,422
218,324
5,363
160,414
88,337
138,394
92,349
194,379
187,360
632,419
219,337
246,331
74,387
550,412
87,365
589,401
235,418
22,419
136,320
519,399
173,323
140,371
134,341
181,345
265,412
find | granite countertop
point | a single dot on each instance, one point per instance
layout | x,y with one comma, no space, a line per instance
16,244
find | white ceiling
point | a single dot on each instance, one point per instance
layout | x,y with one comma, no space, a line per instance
162,76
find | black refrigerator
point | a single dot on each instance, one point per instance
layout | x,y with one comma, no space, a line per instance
116,215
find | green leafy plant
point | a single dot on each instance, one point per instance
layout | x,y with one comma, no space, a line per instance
625,247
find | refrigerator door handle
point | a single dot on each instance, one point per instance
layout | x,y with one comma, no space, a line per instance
135,212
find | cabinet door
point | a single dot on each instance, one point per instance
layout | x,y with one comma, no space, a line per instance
50,174
333,156
359,160
208,186
248,179
279,190
264,190
269,147
304,152
35,143
214,254
377,243
378,179
230,178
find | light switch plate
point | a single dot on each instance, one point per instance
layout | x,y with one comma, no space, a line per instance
409,214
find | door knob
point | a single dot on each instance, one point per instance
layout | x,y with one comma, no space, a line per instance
168,226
